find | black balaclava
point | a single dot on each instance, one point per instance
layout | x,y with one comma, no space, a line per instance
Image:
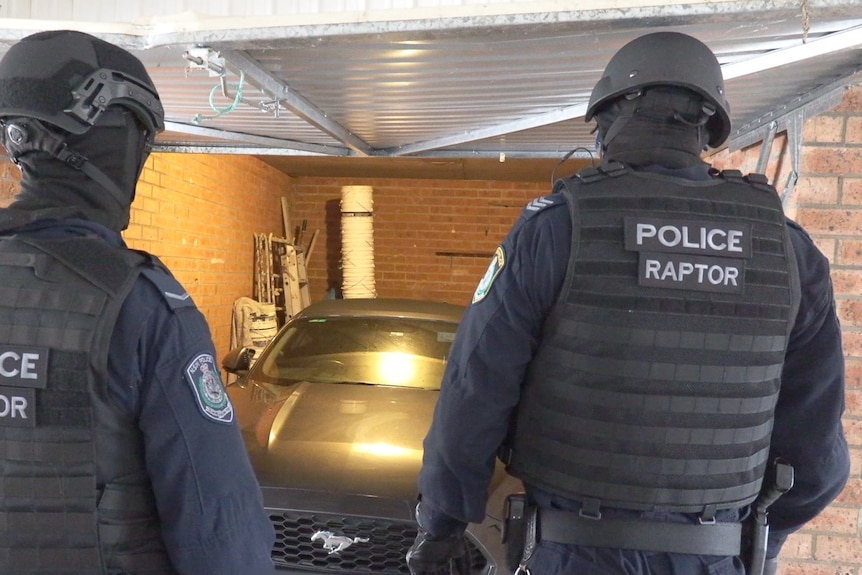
77,115
660,125
51,189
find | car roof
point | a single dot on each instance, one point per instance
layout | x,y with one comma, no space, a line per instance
383,307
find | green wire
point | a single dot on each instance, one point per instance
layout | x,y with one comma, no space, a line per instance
221,111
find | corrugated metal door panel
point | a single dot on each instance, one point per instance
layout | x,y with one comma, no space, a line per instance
132,10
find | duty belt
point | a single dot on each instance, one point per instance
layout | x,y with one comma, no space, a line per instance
697,539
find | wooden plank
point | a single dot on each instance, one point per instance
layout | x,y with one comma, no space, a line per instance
255,274
285,216
292,290
269,292
311,244
302,275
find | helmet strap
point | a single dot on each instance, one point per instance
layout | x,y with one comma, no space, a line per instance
24,135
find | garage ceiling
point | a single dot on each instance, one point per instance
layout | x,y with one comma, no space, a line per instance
490,96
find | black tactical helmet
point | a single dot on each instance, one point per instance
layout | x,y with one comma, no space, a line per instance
666,59
67,79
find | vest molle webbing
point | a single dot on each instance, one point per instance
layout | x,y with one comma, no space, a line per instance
656,381
56,318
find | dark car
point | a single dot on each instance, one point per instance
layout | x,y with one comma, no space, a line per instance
333,413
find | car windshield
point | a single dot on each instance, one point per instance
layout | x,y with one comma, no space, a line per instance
403,352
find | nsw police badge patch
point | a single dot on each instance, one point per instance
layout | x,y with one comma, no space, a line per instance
494,269
212,399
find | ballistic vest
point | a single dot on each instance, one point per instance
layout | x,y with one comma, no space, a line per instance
655,384
74,493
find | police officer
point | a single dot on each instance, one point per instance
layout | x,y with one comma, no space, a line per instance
120,450
648,342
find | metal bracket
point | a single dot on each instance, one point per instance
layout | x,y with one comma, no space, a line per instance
794,141
203,58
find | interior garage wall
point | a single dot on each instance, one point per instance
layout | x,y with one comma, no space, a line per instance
199,214
433,239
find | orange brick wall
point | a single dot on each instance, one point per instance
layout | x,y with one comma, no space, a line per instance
433,239
199,214
9,176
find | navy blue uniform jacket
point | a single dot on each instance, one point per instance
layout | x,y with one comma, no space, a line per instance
499,334
208,499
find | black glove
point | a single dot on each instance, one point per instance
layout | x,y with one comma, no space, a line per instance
443,556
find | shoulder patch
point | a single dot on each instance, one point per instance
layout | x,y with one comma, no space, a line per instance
539,204
173,292
208,389
497,264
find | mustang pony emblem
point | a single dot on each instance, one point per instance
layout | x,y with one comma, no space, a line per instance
336,543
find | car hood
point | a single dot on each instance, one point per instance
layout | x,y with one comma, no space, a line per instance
345,438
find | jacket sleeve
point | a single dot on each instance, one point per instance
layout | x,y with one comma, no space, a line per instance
495,341
808,431
208,499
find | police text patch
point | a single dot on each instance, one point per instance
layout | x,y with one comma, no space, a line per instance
17,407
212,399
24,366
690,254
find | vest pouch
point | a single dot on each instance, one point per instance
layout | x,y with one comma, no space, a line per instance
129,533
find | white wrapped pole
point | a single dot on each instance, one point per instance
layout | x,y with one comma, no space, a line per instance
357,242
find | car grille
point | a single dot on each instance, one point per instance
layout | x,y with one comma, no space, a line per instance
383,553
